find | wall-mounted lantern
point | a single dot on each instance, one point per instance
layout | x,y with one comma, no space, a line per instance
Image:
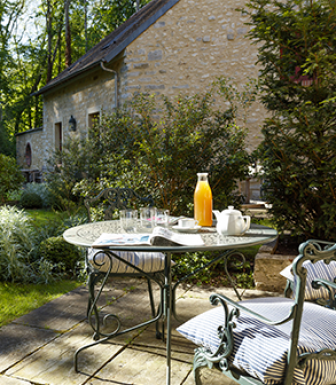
72,124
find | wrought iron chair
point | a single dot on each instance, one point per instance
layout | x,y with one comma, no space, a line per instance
101,266
270,340
323,295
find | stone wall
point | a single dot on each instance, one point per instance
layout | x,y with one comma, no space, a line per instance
88,95
34,139
190,46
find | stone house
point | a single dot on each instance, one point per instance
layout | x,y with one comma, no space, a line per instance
167,47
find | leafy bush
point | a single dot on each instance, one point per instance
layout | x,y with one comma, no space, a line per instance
11,177
42,190
30,200
66,168
61,253
14,195
17,246
20,259
297,45
161,155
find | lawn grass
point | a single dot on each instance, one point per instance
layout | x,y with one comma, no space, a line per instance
41,216
19,299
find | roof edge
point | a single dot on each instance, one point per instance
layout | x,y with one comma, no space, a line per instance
29,131
46,88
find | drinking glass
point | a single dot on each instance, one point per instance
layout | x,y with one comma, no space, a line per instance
147,217
162,218
129,219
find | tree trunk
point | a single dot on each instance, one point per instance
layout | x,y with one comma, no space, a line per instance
67,33
49,34
85,26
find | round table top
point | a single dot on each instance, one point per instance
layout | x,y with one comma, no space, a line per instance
85,235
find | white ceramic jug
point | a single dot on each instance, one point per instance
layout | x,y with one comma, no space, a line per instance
231,222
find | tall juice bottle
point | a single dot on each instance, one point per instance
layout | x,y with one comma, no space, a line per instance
203,201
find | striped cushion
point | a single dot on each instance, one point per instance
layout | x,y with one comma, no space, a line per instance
148,262
261,350
315,270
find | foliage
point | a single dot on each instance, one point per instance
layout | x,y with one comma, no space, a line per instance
216,275
109,15
19,299
14,195
67,167
20,260
297,52
30,200
134,147
60,253
42,190
11,177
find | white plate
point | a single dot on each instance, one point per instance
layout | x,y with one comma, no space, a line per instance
187,229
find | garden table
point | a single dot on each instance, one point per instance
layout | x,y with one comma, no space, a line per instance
85,235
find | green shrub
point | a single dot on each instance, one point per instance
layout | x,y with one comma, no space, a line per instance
62,177
11,177
17,246
42,190
31,200
20,240
14,195
61,253
297,54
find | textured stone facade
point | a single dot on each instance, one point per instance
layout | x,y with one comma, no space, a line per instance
88,96
190,46
33,139
187,48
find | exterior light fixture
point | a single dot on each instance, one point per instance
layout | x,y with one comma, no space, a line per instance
72,124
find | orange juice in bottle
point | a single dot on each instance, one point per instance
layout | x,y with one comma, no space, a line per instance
203,201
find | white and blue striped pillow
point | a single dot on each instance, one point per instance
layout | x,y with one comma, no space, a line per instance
315,270
147,262
261,350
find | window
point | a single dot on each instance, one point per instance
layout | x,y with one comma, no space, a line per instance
28,155
93,119
58,136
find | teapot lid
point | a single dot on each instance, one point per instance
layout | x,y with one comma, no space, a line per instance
231,211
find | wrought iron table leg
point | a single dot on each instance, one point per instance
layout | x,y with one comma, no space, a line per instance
167,314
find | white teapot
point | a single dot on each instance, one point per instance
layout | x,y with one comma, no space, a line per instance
231,222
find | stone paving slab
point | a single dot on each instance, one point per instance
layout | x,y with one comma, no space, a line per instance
182,349
53,364
18,341
4,380
140,368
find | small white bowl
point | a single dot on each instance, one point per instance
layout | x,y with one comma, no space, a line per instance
187,229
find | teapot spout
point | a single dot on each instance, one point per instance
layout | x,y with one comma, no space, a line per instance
217,213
